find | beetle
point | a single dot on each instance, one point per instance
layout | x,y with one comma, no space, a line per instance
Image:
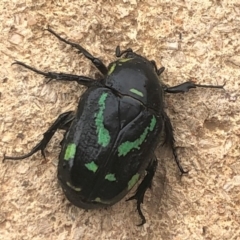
109,142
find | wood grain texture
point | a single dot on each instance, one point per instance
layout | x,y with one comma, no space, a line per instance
192,40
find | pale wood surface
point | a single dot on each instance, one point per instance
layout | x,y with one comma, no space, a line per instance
191,40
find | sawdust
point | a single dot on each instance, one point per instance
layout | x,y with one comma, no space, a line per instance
192,40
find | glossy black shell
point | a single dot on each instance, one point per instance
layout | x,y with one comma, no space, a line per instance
125,109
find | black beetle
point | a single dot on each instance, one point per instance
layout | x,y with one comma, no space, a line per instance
110,141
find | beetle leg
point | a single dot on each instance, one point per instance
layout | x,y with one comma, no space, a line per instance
144,185
63,122
82,80
169,140
158,71
119,53
184,87
96,61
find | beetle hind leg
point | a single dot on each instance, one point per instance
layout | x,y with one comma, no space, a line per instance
142,188
62,122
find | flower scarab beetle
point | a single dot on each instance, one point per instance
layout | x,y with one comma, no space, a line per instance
110,140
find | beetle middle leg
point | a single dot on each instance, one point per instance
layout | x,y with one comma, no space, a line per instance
82,80
144,185
62,122
96,61
169,140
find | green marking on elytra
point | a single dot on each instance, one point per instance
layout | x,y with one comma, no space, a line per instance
70,151
73,187
123,60
110,177
133,180
127,146
99,200
112,68
103,133
153,123
92,166
135,91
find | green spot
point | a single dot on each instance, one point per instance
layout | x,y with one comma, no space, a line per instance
110,177
127,146
110,71
70,151
99,200
123,60
103,133
133,180
74,188
135,91
92,166
153,123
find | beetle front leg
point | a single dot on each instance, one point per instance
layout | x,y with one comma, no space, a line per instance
96,61
144,185
63,122
160,70
185,87
119,53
